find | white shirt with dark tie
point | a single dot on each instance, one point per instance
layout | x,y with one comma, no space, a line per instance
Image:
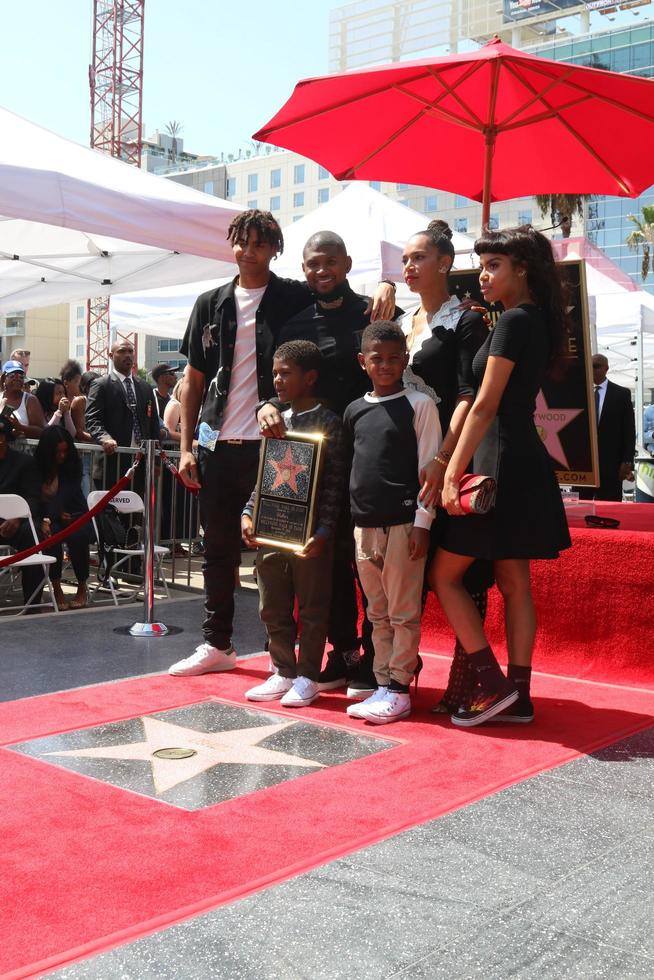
601,391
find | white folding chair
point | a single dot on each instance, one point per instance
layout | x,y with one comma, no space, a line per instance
14,507
128,502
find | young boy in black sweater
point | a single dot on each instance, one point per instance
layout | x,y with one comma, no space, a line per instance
283,576
394,432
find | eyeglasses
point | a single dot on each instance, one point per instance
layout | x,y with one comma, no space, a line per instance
22,353
592,520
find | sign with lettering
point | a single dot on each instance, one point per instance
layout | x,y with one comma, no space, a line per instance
565,406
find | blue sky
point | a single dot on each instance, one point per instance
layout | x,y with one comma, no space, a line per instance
222,77
220,74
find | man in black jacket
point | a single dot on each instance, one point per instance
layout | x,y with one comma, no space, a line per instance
18,474
121,411
616,434
230,340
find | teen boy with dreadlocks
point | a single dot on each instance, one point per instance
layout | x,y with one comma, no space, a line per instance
230,340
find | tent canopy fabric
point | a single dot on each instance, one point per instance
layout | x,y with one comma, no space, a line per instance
70,218
374,228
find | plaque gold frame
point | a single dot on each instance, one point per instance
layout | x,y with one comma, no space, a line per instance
279,502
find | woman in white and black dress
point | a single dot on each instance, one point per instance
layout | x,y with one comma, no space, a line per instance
517,269
443,337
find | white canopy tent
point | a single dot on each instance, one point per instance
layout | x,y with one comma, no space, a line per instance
70,218
374,228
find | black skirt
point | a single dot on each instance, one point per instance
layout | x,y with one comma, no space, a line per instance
528,520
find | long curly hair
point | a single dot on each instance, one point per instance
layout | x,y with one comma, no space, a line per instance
525,244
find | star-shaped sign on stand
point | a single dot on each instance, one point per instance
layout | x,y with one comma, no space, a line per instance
286,470
549,422
203,751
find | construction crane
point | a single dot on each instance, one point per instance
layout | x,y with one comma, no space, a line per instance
116,84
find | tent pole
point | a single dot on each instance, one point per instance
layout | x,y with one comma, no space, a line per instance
640,384
489,149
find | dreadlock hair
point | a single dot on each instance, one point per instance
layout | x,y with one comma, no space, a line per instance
525,244
261,223
304,353
380,331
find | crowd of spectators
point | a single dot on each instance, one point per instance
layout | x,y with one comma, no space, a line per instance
116,411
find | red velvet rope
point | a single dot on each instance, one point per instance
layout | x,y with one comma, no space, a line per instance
76,524
170,466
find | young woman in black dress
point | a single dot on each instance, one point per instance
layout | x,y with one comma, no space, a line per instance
443,337
517,268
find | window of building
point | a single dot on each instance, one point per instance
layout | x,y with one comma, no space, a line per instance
252,204
460,201
296,217
524,216
431,203
461,225
322,173
253,183
167,344
323,195
208,187
404,201
81,313
276,177
275,203
298,173
494,222
81,329
231,187
401,187
376,185
79,350
298,199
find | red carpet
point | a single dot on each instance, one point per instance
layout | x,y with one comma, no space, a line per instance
594,608
91,866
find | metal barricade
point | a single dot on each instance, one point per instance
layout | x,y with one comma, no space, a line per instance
177,512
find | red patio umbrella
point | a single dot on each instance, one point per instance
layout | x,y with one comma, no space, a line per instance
491,124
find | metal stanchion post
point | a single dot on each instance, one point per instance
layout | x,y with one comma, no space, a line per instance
149,627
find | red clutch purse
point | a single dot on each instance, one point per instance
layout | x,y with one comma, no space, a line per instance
477,493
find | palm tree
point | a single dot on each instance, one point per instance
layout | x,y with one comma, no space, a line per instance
642,237
562,208
173,128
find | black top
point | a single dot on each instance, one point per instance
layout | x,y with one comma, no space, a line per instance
211,335
391,437
68,499
337,333
520,335
18,474
444,362
162,401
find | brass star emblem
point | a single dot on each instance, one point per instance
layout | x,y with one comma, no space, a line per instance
240,746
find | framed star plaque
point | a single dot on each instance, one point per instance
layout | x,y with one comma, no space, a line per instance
565,407
287,490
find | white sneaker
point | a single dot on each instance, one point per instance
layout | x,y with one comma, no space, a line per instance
393,706
205,660
302,692
359,710
274,687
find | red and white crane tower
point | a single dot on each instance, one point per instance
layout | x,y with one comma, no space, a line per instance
116,83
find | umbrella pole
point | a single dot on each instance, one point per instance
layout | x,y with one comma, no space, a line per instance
489,150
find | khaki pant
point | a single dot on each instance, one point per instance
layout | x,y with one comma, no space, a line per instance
281,577
393,587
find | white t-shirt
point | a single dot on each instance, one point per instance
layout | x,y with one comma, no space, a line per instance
239,420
